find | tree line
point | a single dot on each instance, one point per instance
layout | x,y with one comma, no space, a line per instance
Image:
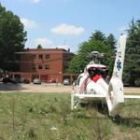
13,38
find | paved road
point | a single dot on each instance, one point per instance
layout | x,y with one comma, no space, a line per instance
44,88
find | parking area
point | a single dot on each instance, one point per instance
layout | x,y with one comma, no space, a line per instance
42,88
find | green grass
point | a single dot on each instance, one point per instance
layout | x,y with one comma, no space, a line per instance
28,116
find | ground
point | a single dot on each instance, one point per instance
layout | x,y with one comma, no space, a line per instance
47,88
30,116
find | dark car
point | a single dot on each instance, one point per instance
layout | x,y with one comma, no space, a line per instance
126,84
8,80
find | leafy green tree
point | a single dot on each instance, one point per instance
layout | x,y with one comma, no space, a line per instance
97,42
12,39
39,46
76,64
80,60
98,36
132,60
111,42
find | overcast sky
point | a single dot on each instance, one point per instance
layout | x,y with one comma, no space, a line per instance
67,23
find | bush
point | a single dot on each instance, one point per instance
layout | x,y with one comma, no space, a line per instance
137,82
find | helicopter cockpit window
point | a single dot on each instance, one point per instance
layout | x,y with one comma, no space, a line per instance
104,72
92,71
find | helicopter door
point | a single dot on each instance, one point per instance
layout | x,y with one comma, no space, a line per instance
77,83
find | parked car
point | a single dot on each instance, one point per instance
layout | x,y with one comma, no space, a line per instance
36,81
6,80
66,82
26,81
126,84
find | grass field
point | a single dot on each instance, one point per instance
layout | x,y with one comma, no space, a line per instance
29,116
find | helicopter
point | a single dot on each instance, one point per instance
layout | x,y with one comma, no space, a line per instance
91,84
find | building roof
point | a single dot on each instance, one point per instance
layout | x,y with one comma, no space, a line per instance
42,51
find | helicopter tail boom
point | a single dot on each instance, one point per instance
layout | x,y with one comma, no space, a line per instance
119,61
115,96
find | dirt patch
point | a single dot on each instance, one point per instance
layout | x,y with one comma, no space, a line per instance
47,88
132,90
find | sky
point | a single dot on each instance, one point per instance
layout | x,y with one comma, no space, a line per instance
68,23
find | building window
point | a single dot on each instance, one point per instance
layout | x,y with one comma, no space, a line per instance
33,67
40,67
34,56
47,67
40,56
47,56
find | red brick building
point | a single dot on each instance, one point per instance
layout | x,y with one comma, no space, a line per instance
46,64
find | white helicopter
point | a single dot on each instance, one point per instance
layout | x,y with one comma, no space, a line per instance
91,84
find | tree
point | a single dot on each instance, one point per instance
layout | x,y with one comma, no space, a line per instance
12,39
76,64
97,42
98,36
132,61
39,46
111,42
80,60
